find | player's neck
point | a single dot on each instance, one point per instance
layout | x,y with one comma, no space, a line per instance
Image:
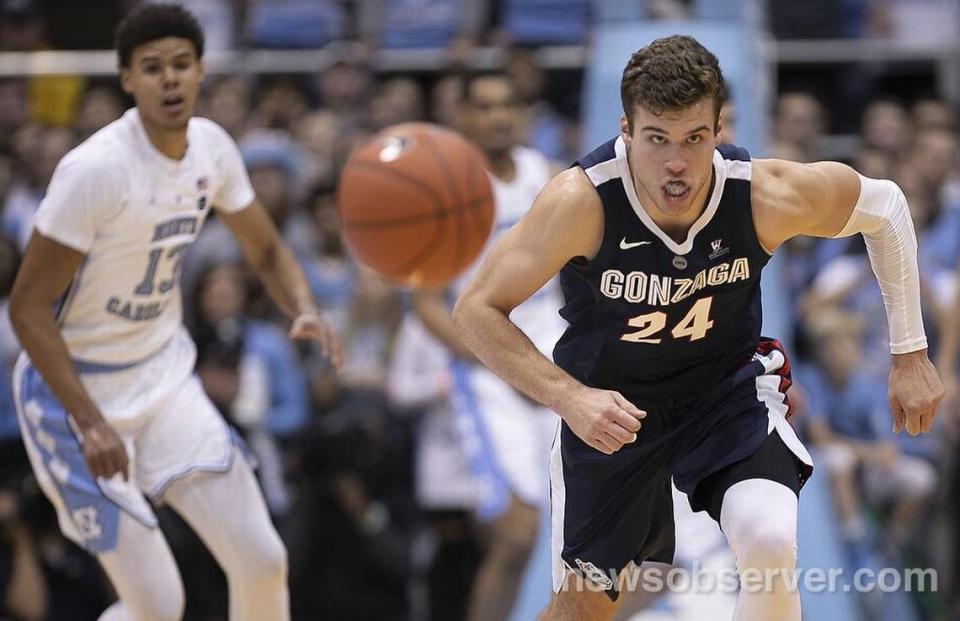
677,227
502,165
170,142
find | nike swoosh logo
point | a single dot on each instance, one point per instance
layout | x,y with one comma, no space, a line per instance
625,245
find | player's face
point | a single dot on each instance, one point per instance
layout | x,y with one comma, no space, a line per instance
492,114
163,78
671,155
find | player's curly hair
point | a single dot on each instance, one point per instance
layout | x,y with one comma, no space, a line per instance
150,22
671,73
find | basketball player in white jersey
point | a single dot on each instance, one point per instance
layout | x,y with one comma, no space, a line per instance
506,436
110,410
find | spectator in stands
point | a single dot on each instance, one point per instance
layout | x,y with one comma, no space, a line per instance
331,273
933,113
886,127
38,150
13,109
21,26
226,102
545,127
319,135
399,100
445,99
849,422
345,85
797,127
368,338
352,532
282,103
99,105
252,373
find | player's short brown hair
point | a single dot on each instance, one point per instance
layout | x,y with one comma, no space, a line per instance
671,73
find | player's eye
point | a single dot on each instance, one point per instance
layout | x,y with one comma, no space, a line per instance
151,69
658,139
694,139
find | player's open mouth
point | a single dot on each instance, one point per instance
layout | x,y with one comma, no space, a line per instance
173,103
676,191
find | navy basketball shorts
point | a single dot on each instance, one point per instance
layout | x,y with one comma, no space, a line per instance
611,510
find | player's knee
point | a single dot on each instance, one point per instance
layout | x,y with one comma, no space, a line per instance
766,546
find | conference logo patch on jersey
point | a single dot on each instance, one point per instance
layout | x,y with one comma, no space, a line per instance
679,262
719,249
201,203
595,575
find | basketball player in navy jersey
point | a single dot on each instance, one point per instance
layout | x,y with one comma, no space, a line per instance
659,237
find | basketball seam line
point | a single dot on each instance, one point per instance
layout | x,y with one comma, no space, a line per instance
414,219
454,191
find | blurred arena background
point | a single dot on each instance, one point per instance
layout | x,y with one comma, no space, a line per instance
362,470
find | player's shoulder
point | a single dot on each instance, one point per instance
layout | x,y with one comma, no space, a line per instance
210,133
571,191
779,182
102,158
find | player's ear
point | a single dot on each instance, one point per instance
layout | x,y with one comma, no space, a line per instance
718,134
126,80
625,129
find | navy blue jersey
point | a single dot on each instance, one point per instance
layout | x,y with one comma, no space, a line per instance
661,322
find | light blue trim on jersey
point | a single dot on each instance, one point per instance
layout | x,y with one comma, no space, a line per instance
494,497
235,442
86,367
94,512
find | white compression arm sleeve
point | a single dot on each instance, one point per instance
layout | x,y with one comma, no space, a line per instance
883,217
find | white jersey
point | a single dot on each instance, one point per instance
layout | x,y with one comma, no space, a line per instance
133,212
539,316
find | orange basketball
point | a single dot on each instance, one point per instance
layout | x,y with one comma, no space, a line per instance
416,204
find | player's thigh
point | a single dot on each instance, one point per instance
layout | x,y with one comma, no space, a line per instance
185,437
228,512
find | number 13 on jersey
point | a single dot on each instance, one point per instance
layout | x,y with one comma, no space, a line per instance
695,324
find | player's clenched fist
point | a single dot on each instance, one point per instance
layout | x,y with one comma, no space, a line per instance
604,419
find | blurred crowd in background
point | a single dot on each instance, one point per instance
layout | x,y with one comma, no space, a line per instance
340,455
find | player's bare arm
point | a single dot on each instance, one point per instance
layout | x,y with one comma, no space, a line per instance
44,276
566,221
281,275
828,199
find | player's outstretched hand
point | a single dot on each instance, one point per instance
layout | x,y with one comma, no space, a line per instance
915,392
313,327
103,450
604,419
